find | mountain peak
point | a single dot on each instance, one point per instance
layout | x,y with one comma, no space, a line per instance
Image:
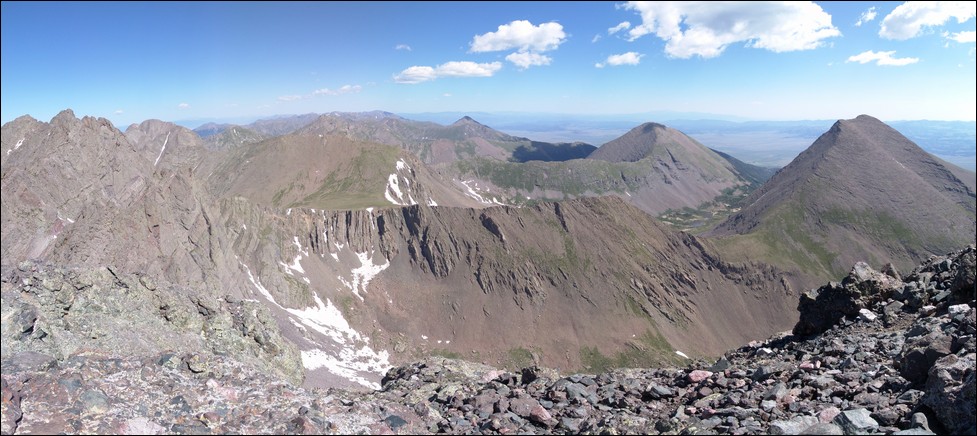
65,116
466,120
642,141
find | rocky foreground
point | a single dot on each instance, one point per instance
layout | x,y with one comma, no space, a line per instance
878,353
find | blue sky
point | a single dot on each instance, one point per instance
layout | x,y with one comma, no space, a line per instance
769,61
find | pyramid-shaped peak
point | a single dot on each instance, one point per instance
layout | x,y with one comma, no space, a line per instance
466,120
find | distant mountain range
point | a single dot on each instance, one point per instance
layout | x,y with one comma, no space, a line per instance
322,248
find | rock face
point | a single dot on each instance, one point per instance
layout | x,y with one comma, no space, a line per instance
861,192
845,380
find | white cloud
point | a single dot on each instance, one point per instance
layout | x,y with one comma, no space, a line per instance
345,89
629,58
908,19
467,69
447,94
418,74
705,28
625,25
595,38
183,105
402,47
525,59
883,58
866,16
521,35
961,37
118,112
290,98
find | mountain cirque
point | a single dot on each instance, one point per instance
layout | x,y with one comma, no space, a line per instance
245,272
903,365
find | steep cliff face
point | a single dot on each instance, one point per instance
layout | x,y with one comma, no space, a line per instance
580,283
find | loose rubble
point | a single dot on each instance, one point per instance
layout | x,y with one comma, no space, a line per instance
878,353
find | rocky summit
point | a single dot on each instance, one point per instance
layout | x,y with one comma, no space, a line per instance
894,355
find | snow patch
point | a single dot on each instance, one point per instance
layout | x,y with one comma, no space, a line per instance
16,146
257,284
424,337
326,319
370,210
162,149
431,202
681,354
474,194
393,193
366,272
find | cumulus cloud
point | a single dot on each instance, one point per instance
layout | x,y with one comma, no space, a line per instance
961,37
629,58
908,19
418,74
402,47
705,29
866,16
345,89
521,35
525,59
883,58
529,41
183,105
625,25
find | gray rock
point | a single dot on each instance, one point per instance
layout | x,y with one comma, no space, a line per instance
921,352
867,315
857,421
796,425
950,392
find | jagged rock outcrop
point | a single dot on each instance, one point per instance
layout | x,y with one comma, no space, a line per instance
845,380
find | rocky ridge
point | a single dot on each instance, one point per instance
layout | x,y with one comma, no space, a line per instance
903,365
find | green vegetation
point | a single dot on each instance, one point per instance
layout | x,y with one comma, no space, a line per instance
518,358
710,213
651,350
785,239
571,178
440,352
879,225
357,184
